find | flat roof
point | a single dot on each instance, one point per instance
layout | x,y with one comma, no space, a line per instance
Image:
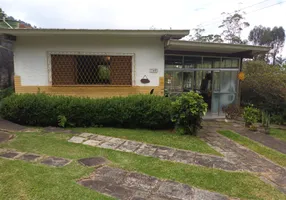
175,34
218,48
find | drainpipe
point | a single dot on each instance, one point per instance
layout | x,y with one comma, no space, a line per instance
7,23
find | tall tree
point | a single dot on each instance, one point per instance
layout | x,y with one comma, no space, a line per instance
265,36
8,18
232,25
278,40
260,35
199,37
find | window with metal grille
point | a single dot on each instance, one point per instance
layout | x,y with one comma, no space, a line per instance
91,70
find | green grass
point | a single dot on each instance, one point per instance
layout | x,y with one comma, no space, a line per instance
23,180
163,138
271,154
278,133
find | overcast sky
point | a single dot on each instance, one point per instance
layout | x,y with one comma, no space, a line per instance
144,14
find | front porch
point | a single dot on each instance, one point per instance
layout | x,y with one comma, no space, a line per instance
210,69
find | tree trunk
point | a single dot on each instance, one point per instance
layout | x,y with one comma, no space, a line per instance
274,58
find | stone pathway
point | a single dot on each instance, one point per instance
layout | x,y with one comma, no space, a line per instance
10,126
31,157
4,137
267,140
236,157
93,162
126,185
164,153
244,158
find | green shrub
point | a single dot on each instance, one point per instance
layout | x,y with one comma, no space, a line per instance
187,112
6,92
135,111
278,119
264,87
250,115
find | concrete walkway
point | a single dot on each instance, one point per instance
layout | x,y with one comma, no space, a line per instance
267,140
126,185
163,153
236,157
244,158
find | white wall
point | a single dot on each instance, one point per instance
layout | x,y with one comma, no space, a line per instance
31,60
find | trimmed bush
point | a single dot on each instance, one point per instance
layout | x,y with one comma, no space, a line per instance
6,92
135,111
187,112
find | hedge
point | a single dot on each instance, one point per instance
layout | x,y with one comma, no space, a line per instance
135,111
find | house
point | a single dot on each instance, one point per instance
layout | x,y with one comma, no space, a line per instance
104,63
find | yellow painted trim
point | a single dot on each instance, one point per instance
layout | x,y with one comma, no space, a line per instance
90,91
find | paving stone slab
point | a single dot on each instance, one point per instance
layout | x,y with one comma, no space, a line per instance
86,135
183,157
55,161
9,154
146,150
4,137
111,175
109,145
51,129
175,190
126,185
10,126
164,153
29,157
93,143
129,146
94,161
76,139
140,182
206,195
100,138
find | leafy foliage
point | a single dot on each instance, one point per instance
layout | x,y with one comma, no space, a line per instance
6,92
233,24
264,86
198,37
187,112
265,119
265,36
250,115
62,120
136,111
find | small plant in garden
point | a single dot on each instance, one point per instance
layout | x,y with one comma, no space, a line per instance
265,119
250,115
253,128
62,121
232,111
187,112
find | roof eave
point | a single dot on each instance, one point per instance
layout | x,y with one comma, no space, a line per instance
174,34
241,49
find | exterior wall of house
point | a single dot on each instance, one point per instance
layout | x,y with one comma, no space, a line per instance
31,56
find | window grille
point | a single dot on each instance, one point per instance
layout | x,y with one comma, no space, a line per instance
69,69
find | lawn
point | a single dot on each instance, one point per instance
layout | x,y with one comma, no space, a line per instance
22,180
278,133
271,154
164,138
